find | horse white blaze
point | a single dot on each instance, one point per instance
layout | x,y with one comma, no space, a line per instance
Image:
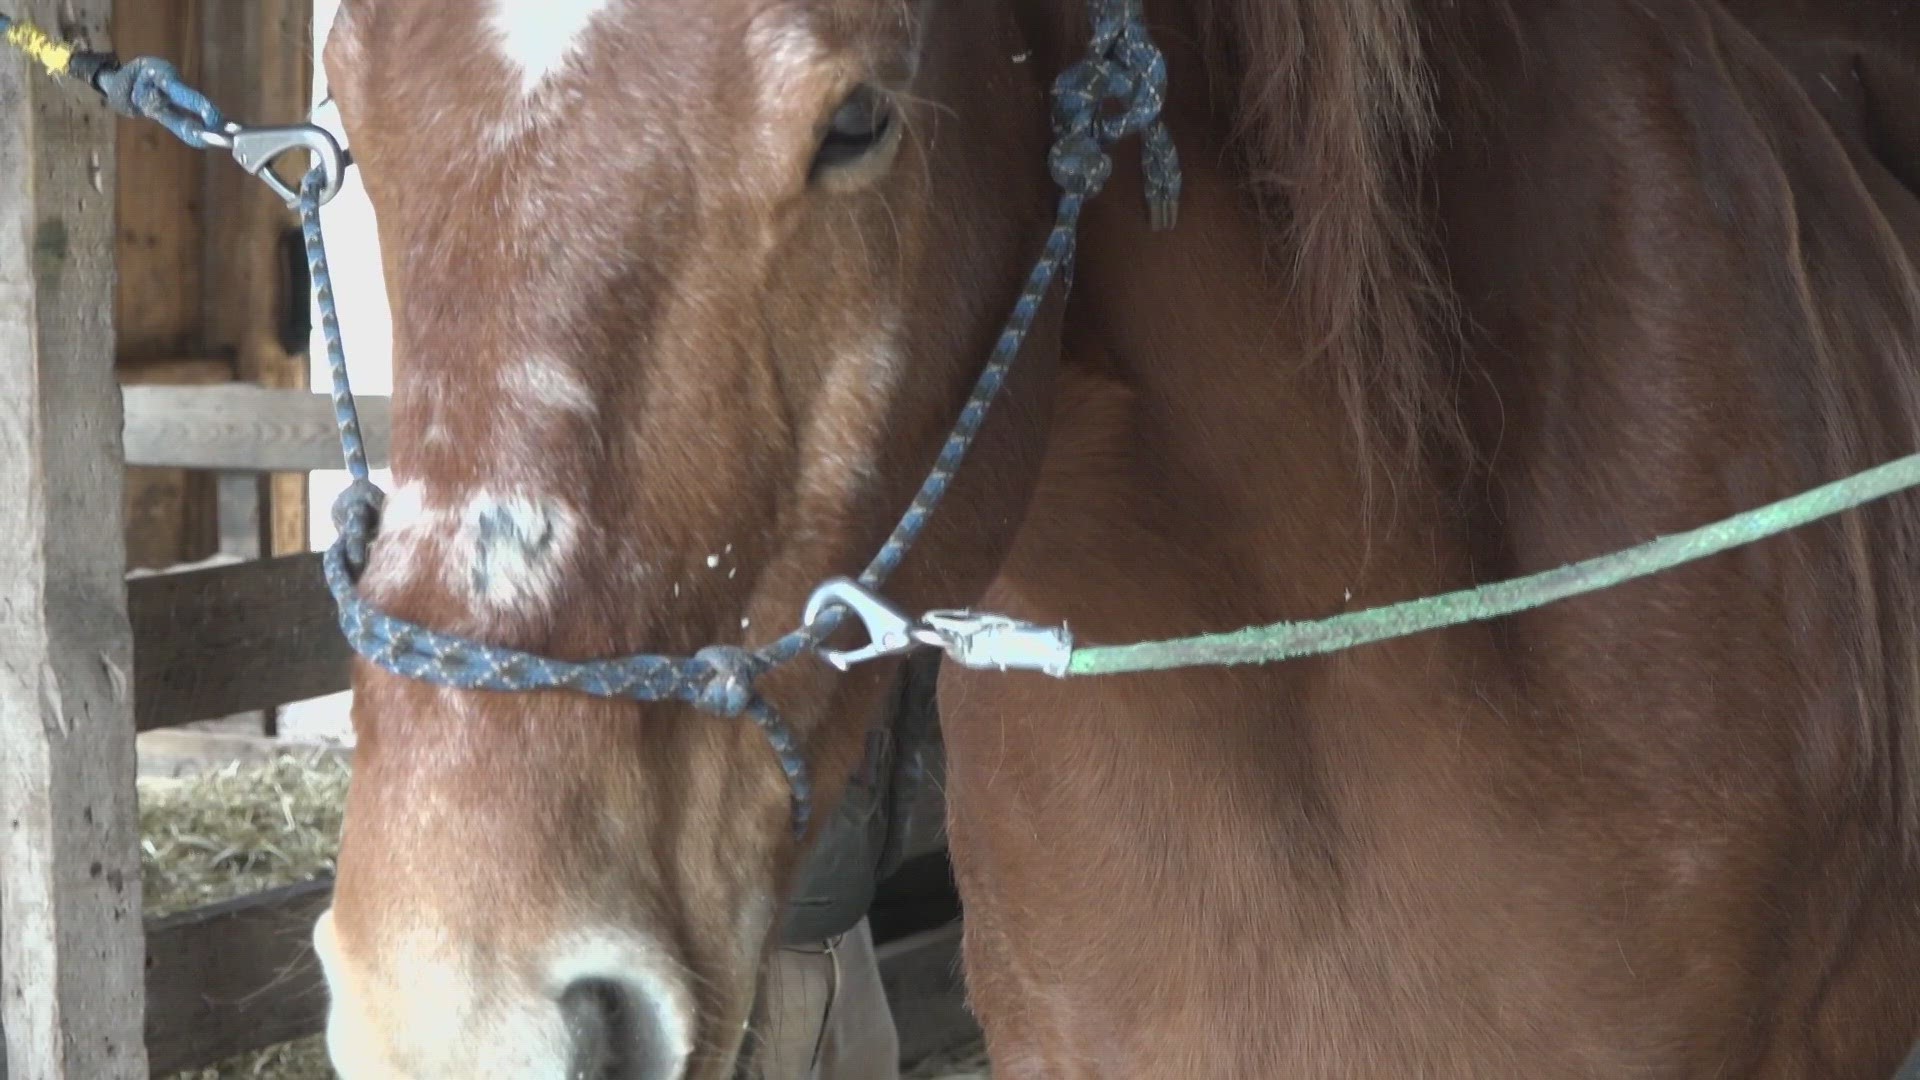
405,508
412,524
519,548
505,551
546,383
538,37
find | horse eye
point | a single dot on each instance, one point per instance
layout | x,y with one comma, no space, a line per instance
859,126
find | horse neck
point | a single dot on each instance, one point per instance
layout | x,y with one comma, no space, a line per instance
1198,435
1206,390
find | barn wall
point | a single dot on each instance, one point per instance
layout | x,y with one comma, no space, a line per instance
202,294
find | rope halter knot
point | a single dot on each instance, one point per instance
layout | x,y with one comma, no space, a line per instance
1117,91
724,685
150,87
356,517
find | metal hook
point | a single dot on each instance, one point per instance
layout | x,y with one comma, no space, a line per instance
987,642
998,643
257,148
890,632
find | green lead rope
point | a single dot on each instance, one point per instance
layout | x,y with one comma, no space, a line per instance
1287,640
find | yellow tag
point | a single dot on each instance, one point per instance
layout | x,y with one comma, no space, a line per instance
55,56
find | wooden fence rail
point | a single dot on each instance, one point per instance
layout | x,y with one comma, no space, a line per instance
233,977
231,639
244,428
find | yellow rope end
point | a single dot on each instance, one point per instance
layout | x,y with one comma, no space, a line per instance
55,56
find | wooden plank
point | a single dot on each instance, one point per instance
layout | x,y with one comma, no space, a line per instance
231,639
259,61
258,66
171,513
233,977
288,505
70,927
244,428
160,201
242,499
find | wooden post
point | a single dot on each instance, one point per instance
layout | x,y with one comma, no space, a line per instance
71,946
259,69
169,510
172,514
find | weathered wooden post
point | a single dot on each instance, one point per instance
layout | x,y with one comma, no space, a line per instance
71,947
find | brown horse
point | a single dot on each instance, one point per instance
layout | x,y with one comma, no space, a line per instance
687,295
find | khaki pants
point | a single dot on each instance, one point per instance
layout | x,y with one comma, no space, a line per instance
827,1015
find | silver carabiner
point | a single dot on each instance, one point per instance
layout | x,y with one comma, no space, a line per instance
998,643
889,632
983,642
257,148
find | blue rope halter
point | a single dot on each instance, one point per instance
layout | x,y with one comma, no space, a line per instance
1122,68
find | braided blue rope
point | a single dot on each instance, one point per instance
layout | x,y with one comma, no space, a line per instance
147,87
151,87
1122,67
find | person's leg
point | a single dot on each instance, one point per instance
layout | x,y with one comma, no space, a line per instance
826,1013
861,1042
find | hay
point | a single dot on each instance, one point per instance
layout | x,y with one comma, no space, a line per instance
253,825
240,829
303,1060
234,831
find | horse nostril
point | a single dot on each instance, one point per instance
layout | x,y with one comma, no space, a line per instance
616,1034
592,1010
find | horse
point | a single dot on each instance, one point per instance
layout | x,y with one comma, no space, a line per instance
688,295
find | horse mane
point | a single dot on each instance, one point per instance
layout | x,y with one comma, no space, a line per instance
1336,108
1335,117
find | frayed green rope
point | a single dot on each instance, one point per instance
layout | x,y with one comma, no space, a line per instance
1289,640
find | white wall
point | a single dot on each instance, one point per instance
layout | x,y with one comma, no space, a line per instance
353,255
